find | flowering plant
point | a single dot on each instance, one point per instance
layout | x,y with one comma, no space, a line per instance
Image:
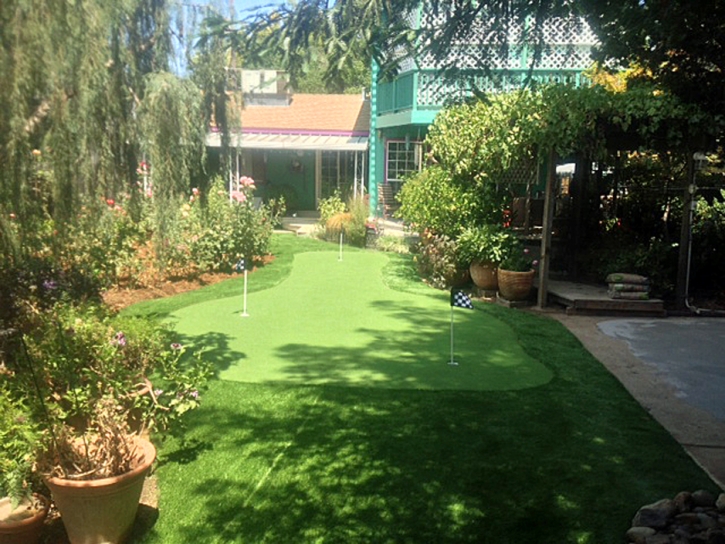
518,259
487,243
99,381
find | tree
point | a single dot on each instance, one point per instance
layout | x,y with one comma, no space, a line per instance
75,78
680,44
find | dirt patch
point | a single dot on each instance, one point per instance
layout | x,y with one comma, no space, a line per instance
121,297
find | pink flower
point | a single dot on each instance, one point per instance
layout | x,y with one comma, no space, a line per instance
246,181
239,196
110,202
195,191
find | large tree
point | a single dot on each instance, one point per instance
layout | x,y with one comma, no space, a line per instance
680,43
73,119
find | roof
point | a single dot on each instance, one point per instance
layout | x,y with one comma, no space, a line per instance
297,142
308,113
307,121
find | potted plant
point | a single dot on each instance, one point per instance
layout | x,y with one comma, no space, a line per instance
22,512
484,247
101,383
516,273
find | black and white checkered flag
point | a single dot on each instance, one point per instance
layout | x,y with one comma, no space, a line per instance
461,299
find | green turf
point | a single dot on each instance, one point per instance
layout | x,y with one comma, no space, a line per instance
337,322
568,461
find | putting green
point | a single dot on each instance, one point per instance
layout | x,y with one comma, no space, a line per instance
336,322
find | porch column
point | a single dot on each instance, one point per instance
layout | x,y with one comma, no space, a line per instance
318,177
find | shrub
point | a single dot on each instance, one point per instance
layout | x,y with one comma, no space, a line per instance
330,206
97,381
222,232
438,261
392,244
487,243
337,217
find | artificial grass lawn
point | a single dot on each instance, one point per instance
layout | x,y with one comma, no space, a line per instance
337,322
371,459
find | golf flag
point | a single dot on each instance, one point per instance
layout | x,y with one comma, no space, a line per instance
240,266
461,299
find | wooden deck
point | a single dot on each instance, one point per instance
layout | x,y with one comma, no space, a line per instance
584,299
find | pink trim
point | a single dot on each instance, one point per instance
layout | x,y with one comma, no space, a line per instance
247,130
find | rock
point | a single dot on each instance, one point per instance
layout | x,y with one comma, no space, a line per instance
688,518
702,497
707,522
655,515
683,501
658,539
720,502
638,535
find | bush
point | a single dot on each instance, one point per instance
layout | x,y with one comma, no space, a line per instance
438,261
222,232
329,207
98,380
336,217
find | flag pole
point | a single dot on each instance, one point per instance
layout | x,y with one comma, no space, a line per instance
340,257
452,362
244,313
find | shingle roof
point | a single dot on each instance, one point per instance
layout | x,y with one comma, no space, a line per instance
311,113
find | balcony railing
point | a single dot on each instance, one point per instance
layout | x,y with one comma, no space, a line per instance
429,90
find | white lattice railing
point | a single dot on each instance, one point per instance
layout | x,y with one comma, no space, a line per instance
564,57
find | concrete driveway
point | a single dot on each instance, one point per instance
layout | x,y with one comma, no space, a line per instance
675,368
688,354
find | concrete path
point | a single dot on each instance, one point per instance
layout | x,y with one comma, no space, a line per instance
675,368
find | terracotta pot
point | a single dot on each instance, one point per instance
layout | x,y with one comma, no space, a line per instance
24,524
484,275
457,277
102,511
515,285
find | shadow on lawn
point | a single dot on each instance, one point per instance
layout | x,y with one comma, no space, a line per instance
568,462
335,464
417,354
214,347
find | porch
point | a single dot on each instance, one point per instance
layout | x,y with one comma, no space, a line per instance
588,299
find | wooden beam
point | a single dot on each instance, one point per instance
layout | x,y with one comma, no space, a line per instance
548,221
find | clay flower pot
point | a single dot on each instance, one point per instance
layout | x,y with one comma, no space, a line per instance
515,286
484,275
102,511
24,524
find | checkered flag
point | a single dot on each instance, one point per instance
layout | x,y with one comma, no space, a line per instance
461,299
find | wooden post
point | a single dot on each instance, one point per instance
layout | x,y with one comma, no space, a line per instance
548,220
683,277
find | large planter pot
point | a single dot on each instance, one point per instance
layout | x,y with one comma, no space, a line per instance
515,285
457,277
102,511
484,275
24,524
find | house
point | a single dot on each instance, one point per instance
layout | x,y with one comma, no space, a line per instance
300,146
403,108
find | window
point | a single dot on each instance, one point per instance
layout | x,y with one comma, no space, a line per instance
403,158
339,172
